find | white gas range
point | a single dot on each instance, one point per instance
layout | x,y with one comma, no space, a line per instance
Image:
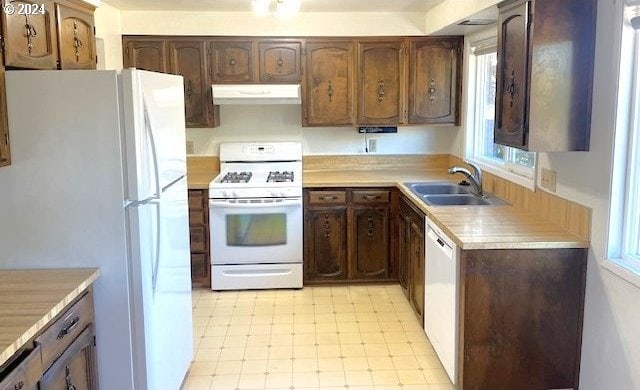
256,217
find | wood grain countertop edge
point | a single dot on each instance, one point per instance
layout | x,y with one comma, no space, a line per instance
40,324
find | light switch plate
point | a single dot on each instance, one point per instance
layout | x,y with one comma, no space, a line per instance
548,179
191,148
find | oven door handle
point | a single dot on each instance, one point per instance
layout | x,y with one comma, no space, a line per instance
256,205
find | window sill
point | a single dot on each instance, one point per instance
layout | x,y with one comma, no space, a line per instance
524,181
623,269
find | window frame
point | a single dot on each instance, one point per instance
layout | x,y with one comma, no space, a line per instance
625,157
505,169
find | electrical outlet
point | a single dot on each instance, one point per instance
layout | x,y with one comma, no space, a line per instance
548,179
373,145
191,147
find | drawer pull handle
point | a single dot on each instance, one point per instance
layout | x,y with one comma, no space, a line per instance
372,197
19,385
68,328
328,198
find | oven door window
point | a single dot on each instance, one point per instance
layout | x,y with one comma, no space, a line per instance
256,229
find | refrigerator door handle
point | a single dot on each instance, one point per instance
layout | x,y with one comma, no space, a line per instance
155,261
149,130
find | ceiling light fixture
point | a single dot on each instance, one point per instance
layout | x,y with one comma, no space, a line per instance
282,8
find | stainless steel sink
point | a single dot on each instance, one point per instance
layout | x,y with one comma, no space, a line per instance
462,200
455,200
450,194
436,188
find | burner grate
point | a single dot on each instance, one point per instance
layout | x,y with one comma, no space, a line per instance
236,177
280,177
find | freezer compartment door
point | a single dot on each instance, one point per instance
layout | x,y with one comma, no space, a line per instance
256,276
161,289
154,132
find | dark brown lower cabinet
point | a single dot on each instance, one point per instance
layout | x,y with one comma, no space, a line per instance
75,369
346,235
325,241
199,233
521,318
370,250
411,260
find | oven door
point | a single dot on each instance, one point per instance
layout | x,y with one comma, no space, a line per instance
256,231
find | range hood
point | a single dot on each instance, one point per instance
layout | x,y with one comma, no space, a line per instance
256,94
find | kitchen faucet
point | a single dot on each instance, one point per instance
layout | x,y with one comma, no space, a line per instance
475,178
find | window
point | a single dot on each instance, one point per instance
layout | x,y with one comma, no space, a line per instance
624,223
511,163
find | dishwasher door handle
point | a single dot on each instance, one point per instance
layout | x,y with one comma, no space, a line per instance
440,242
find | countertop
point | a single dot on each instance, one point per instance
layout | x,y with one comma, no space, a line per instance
470,227
30,299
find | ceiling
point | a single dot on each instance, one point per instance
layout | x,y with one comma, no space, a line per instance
307,5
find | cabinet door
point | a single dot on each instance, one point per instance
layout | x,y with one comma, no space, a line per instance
370,230
404,248
29,37
329,87
5,153
76,368
188,59
417,269
146,54
434,84
381,83
232,62
280,61
512,91
325,236
76,38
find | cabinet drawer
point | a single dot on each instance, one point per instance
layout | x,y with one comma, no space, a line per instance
327,197
197,218
58,336
365,197
26,374
198,239
196,200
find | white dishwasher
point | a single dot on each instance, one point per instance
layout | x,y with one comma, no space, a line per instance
441,297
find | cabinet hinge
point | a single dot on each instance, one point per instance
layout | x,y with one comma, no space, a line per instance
6,138
94,31
94,341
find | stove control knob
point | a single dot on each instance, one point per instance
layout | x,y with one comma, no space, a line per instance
274,194
225,194
234,194
283,194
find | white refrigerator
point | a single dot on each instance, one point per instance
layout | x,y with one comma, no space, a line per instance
98,180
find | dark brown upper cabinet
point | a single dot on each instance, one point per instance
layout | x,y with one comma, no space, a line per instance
146,54
232,61
30,39
280,61
545,74
188,58
434,80
329,88
5,152
381,83
76,37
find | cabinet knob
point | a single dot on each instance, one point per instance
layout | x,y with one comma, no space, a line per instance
232,62
18,386
432,90
280,62
330,91
380,91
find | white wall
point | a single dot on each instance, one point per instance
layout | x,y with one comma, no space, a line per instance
611,337
246,23
109,30
283,123
453,11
